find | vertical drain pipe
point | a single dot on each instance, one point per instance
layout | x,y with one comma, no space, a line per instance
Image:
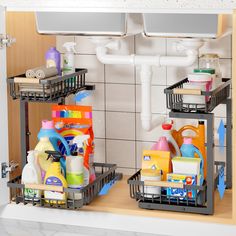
148,123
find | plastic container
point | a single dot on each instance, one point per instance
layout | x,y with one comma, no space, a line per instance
54,177
166,132
69,58
31,174
161,145
43,145
48,130
199,81
53,59
153,175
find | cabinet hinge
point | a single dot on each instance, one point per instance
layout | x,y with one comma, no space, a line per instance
6,40
5,169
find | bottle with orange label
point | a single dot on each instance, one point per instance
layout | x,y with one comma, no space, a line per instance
198,140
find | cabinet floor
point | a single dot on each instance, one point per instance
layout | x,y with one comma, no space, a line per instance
27,228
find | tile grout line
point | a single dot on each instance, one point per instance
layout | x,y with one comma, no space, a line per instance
135,105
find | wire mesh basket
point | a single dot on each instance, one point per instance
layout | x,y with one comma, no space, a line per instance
176,93
105,173
49,89
167,202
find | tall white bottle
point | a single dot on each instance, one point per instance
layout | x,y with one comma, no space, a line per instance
31,174
69,58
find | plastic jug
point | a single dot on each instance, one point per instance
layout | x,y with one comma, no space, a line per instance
48,130
173,146
198,140
189,150
161,145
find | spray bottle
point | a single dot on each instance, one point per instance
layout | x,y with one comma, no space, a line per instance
89,172
69,58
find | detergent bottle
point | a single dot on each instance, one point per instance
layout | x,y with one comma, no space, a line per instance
48,130
31,174
68,58
161,145
198,139
53,59
173,146
54,177
188,150
89,173
43,145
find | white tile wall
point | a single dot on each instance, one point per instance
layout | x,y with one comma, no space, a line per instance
119,136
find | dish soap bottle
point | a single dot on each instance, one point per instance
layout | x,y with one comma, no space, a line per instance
53,59
54,177
49,131
31,174
43,145
68,59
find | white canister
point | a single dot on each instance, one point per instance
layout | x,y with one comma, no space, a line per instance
200,81
75,174
149,174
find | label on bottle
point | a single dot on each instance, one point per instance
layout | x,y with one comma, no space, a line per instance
52,194
31,193
75,180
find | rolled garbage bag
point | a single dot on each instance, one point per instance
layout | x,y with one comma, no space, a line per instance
30,73
46,72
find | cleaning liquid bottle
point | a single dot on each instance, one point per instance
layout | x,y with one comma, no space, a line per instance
31,174
53,59
49,131
43,145
173,146
188,150
161,144
89,172
69,58
54,177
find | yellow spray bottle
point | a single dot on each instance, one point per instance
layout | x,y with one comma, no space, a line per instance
56,180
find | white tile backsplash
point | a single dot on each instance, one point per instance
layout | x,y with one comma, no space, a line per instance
84,45
120,97
120,125
123,74
95,68
116,101
121,153
100,151
97,97
99,124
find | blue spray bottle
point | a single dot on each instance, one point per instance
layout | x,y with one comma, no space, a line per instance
48,130
188,150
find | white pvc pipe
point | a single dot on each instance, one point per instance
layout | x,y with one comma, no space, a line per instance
148,123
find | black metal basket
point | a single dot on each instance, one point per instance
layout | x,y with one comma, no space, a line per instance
171,203
105,173
50,89
175,93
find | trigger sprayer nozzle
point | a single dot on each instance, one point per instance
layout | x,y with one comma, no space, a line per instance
70,46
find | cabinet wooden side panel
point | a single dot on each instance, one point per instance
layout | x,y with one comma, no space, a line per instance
233,114
27,52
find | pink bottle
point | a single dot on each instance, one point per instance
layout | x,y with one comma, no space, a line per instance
161,145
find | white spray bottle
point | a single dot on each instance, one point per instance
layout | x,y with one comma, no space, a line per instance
79,141
31,174
69,58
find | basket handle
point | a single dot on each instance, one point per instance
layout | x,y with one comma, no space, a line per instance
45,187
187,91
163,184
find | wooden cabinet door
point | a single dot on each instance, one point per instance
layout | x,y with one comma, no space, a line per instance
28,52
